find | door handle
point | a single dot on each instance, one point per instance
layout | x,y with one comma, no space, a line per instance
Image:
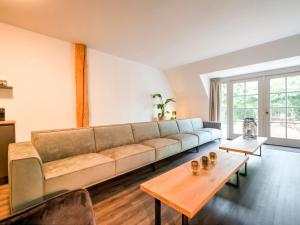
267,112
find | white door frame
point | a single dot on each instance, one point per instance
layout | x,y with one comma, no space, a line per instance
275,140
261,111
264,102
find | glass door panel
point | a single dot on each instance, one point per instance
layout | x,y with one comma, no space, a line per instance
245,103
274,102
284,107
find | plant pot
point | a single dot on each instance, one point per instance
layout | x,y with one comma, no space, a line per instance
161,117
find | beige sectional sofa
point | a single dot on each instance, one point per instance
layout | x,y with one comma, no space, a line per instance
67,159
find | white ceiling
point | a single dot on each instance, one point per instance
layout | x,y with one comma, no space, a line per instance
160,33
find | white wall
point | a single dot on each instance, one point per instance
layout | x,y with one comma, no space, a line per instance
192,99
120,90
41,70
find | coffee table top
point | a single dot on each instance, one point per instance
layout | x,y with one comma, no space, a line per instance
187,193
242,145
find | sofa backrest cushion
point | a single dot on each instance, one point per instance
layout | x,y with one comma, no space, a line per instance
197,123
168,128
145,131
58,144
185,126
113,136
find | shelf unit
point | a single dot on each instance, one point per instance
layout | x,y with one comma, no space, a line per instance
6,87
7,136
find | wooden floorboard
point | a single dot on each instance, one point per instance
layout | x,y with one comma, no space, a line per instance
4,201
269,195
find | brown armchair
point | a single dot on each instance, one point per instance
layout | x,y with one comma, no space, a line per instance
70,208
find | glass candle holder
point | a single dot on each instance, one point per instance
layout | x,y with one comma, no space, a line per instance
195,167
213,157
204,162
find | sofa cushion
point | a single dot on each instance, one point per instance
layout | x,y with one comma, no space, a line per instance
185,126
58,144
197,123
164,147
77,171
188,141
145,131
168,128
215,133
130,157
113,136
203,136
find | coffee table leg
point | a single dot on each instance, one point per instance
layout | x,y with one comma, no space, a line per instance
185,220
245,170
237,184
157,212
260,152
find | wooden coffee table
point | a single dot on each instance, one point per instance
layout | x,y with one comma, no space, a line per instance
186,193
247,147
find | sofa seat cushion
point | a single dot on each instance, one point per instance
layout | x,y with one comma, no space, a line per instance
197,123
58,144
77,171
188,141
145,131
185,126
168,127
203,136
130,157
164,147
215,133
108,137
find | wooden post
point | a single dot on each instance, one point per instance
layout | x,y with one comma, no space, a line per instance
82,107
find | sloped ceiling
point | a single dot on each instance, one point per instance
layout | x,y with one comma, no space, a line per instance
160,33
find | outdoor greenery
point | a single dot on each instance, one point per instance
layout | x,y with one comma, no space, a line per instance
284,101
279,99
245,100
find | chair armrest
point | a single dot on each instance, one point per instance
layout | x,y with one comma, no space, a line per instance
211,124
25,174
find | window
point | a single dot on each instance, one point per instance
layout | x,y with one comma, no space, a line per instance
285,107
245,103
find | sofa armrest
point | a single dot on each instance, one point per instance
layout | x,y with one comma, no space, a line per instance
211,124
25,174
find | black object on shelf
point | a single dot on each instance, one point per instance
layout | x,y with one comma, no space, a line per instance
2,114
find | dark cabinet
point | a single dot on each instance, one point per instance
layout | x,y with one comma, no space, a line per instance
7,136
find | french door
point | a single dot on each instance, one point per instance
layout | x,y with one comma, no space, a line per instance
283,109
274,102
244,101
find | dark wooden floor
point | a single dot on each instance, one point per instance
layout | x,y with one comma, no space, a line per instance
269,195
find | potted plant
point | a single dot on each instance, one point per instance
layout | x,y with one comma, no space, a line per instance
162,105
